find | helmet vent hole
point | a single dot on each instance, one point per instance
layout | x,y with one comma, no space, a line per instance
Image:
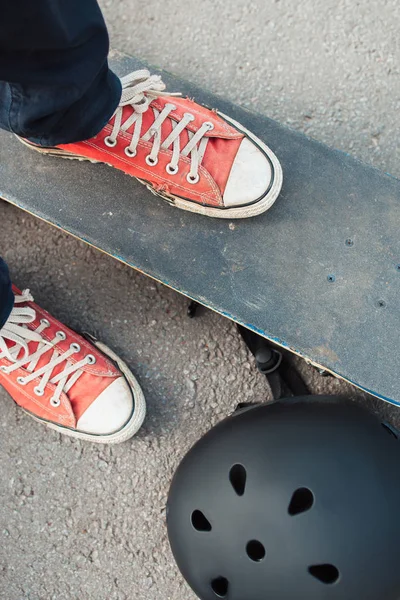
390,430
220,586
255,550
200,521
302,500
325,573
237,477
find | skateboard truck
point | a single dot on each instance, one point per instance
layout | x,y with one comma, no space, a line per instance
192,309
272,362
275,364
267,358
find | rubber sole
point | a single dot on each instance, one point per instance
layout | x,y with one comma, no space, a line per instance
131,426
239,212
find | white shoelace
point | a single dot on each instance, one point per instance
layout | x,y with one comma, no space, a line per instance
16,330
139,89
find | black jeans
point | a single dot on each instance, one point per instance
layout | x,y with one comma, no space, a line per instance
55,84
6,295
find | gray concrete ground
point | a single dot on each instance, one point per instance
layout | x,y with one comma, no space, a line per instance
88,522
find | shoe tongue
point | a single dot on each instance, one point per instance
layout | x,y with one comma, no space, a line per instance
147,122
220,152
32,348
9,344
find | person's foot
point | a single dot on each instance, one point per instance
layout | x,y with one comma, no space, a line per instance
195,158
76,386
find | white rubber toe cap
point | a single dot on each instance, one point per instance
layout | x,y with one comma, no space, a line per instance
250,176
110,411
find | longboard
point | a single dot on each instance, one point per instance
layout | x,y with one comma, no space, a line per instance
318,274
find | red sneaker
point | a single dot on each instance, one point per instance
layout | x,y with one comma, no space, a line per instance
77,387
195,158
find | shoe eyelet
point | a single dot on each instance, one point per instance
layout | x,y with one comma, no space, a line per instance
130,153
109,142
38,391
4,369
209,125
151,161
21,380
55,402
192,117
171,106
90,359
192,180
61,335
45,322
172,170
75,347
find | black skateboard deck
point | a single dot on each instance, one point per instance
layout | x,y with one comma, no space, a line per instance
318,274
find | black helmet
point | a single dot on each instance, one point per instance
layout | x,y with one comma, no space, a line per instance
296,500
